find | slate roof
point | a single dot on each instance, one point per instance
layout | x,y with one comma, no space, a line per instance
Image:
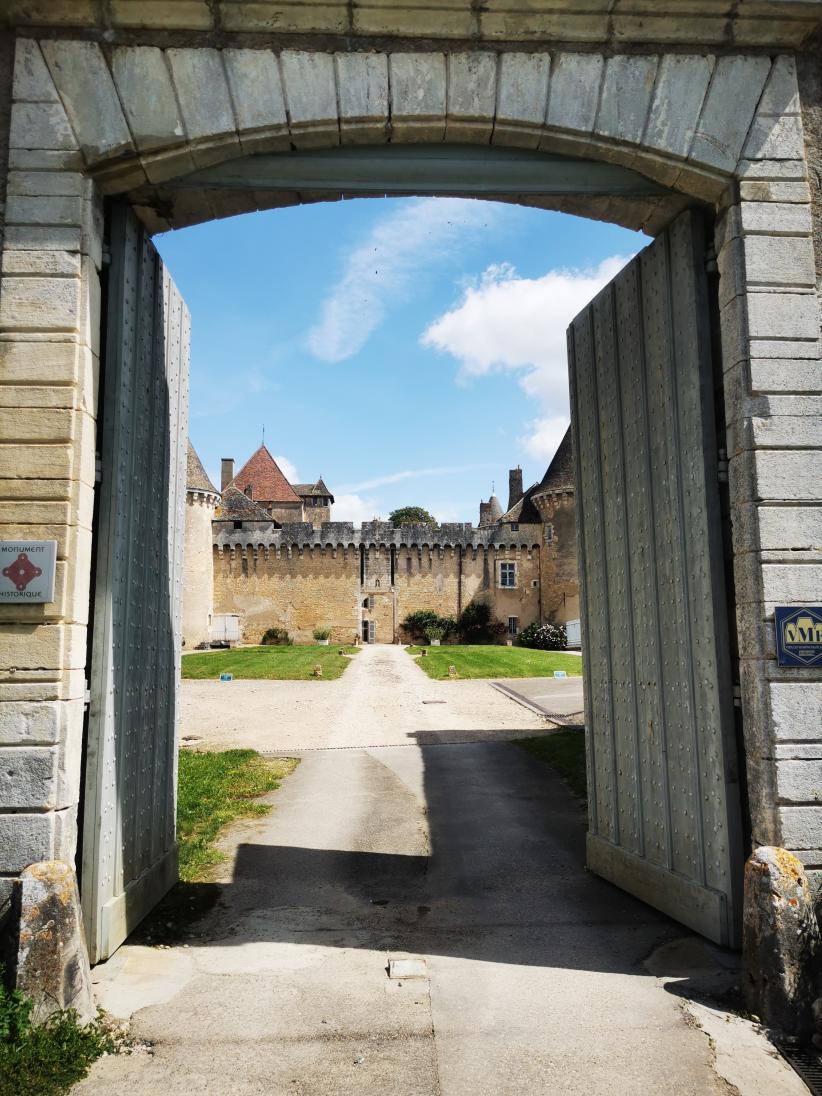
268,484
236,505
196,476
304,490
560,474
524,511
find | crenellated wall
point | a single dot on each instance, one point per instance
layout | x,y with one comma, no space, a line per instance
294,578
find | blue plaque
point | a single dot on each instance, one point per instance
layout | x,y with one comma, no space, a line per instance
798,635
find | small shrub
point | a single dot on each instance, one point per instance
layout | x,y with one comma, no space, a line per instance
45,1059
276,637
321,633
415,624
477,625
434,631
544,637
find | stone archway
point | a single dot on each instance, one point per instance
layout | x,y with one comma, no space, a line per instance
129,120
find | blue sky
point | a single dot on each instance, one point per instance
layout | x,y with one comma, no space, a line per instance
409,351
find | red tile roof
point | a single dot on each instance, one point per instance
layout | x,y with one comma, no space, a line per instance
268,484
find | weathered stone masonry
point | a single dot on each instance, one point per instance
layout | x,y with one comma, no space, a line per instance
298,577
121,98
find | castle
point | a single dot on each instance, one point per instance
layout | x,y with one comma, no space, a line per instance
267,551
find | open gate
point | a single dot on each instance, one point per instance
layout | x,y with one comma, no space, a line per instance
129,847
664,813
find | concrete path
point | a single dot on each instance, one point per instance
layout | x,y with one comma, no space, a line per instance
466,858
558,699
382,699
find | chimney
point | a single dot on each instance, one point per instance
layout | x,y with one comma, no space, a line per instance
226,472
485,514
514,487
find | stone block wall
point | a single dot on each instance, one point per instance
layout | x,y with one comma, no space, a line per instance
725,126
49,354
560,569
301,586
198,586
297,588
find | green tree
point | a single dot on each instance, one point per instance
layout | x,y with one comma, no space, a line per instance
411,515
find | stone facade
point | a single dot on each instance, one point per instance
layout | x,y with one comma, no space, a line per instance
119,99
299,578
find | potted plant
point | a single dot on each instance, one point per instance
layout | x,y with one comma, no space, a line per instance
322,636
434,634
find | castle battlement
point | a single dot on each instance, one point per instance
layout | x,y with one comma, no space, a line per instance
376,534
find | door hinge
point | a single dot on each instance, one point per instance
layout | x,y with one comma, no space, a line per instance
105,258
98,468
710,260
722,466
86,696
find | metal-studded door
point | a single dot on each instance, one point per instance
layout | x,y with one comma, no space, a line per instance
129,848
664,814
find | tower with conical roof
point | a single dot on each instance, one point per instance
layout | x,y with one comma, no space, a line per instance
198,587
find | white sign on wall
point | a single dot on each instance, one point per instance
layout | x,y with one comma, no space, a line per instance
27,571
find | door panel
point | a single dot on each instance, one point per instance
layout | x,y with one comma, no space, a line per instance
129,848
662,769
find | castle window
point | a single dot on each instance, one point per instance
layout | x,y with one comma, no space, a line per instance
238,525
513,625
508,575
514,526
549,533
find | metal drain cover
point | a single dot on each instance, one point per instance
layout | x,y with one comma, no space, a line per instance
807,1063
406,969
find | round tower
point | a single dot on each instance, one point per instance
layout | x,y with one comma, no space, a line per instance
198,559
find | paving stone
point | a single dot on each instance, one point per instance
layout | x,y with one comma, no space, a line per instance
681,84
721,132
143,81
87,91
627,87
574,91
32,80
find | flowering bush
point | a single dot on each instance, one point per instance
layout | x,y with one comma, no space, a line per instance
544,637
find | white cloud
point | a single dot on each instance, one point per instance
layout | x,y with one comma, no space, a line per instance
419,233
411,473
354,507
506,323
288,469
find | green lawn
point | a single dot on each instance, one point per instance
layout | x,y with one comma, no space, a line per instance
268,663
491,661
563,751
215,789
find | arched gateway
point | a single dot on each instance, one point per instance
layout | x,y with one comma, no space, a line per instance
696,378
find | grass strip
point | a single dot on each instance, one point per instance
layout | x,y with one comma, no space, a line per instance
563,751
45,1059
475,661
269,663
214,789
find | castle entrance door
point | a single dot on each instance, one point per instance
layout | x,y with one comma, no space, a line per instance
664,810
129,850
